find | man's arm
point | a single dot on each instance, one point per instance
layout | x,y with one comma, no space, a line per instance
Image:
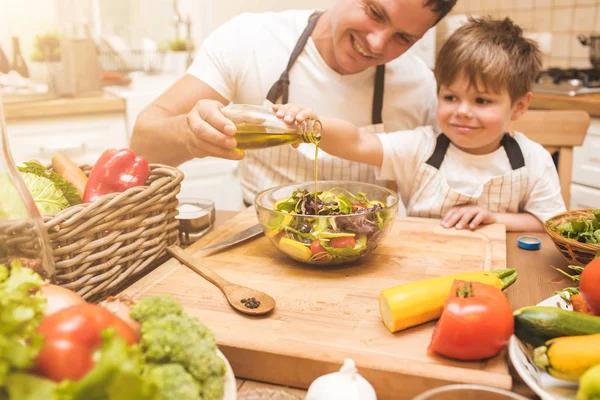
162,129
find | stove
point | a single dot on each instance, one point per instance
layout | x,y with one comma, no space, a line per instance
569,82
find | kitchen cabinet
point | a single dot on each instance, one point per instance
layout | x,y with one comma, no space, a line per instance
585,189
82,138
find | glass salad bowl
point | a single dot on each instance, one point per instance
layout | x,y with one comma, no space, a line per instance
352,219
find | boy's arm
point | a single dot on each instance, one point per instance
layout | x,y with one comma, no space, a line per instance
343,139
338,137
519,222
471,216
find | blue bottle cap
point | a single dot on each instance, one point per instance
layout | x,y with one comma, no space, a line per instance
530,242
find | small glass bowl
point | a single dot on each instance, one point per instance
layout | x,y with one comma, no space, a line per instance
196,218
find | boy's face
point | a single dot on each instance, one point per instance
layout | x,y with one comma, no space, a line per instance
373,32
475,121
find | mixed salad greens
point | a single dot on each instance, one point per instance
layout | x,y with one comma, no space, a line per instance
331,227
582,230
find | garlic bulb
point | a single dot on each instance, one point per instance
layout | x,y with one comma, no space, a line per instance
347,384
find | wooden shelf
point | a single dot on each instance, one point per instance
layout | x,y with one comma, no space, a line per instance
51,106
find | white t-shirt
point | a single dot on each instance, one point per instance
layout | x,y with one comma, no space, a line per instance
405,153
244,57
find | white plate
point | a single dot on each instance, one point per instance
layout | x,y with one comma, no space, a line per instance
230,385
544,385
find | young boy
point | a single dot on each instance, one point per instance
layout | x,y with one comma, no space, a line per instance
470,170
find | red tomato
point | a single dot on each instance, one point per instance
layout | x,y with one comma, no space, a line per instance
71,336
317,248
476,323
357,206
589,285
342,242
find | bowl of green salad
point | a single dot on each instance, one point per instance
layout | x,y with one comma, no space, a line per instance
338,223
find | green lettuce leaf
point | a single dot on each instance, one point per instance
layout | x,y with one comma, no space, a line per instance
58,191
47,197
29,387
21,311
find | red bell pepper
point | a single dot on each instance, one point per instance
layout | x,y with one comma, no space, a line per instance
115,171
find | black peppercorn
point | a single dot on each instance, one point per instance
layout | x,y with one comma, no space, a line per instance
251,302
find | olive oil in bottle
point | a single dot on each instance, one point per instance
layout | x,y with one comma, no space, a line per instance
259,128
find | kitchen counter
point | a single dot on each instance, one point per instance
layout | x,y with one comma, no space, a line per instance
586,102
47,106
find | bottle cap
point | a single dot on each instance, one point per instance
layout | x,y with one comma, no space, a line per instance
529,242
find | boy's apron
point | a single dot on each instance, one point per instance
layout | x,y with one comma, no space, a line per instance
284,164
434,197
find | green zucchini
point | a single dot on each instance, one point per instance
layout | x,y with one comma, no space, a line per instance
535,325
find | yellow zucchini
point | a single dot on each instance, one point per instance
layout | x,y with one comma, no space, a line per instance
568,357
415,303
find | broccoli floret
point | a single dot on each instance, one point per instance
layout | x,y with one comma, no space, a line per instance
180,349
155,307
173,381
204,364
184,340
213,388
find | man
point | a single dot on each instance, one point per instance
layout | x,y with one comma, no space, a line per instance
340,63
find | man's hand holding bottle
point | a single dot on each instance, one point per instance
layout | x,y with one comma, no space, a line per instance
209,133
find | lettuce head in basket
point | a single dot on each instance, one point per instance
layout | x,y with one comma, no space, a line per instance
50,191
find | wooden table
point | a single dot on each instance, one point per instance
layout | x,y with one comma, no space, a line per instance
537,281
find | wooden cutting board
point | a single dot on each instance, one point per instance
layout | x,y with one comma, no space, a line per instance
326,315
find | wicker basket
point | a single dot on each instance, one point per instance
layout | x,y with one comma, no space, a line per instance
98,245
575,252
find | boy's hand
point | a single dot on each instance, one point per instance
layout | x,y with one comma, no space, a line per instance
291,113
468,216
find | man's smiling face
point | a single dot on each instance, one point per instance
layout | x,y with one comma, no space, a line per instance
373,32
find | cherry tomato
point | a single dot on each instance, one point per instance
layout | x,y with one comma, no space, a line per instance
342,242
357,206
71,336
476,323
589,285
317,248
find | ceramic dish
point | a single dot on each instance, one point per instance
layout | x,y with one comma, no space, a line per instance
521,356
230,385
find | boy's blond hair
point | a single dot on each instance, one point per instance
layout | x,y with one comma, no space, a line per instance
492,53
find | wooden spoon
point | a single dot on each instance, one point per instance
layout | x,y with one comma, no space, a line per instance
234,293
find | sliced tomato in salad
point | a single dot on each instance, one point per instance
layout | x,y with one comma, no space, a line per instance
318,250
342,242
357,206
